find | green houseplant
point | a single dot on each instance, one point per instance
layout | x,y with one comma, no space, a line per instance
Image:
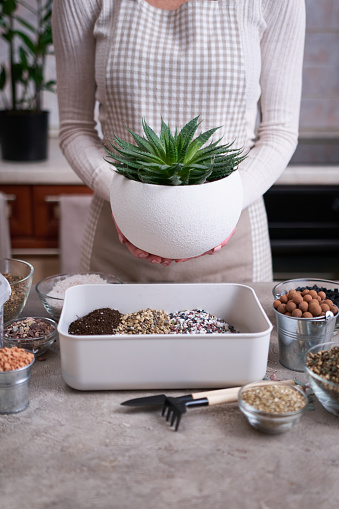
178,159
157,199
23,121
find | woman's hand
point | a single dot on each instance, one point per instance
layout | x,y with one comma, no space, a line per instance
139,253
151,258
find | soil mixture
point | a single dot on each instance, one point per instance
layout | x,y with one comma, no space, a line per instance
149,321
99,321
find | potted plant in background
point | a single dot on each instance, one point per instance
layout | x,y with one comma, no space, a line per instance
23,122
171,195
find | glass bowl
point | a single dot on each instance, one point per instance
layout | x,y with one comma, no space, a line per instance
271,422
37,345
51,290
326,391
19,274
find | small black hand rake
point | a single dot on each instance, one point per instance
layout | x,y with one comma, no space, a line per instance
174,408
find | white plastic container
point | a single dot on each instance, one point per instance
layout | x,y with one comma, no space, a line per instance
160,361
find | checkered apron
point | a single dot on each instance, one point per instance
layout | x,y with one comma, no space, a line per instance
176,65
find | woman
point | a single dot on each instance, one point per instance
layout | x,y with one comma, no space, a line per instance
219,59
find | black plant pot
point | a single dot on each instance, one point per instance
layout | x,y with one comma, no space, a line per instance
24,135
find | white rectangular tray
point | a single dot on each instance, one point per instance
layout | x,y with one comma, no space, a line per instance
160,361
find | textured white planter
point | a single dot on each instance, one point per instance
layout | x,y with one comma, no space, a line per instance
176,221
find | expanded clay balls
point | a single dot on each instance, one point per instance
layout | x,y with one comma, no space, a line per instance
14,358
304,304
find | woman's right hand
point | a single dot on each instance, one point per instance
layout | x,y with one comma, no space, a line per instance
139,253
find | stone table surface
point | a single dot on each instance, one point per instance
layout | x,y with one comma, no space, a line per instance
72,449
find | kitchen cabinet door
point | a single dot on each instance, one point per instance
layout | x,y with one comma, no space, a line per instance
20,211
46,210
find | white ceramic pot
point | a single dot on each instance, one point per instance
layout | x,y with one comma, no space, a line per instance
176,221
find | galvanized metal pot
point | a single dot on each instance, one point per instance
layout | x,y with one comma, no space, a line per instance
14,389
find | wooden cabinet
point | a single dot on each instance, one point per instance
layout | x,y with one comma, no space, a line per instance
34,214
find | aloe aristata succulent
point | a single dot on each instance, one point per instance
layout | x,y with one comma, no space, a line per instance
174,159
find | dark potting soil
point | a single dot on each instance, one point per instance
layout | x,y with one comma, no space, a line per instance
333,295
99,321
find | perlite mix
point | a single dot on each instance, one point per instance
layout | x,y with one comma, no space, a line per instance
274,399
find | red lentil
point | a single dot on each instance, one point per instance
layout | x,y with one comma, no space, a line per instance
14,358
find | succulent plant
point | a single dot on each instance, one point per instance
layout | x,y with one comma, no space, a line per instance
173,160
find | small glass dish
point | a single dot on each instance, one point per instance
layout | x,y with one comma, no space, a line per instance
53,300
271,422
36,345
19,274
326,391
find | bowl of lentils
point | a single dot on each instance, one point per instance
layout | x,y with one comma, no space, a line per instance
19,274
322,370
272,408
51,289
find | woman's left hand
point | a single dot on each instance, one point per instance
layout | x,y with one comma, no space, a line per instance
139,253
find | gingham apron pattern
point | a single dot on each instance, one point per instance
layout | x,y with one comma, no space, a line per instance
177,65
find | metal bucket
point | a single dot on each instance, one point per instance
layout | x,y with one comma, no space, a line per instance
297,335
292,284
14,386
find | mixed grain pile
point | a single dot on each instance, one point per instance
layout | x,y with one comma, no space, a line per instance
149,321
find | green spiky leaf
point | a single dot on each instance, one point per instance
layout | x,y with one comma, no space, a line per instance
173,159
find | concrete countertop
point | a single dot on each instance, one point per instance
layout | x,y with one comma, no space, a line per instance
76,450
56,170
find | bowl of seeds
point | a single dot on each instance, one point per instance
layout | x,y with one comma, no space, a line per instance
35,334
322,370
19,274
272,408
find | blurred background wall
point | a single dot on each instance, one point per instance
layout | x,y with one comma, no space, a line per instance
319,113
320,99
